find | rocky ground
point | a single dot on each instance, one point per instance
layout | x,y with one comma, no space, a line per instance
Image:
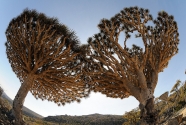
5,117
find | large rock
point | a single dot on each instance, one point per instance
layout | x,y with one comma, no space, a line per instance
176,120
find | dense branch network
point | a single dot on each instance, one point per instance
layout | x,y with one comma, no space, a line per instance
47,50
121,71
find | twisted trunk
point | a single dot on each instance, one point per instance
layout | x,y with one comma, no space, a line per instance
148,114
19,100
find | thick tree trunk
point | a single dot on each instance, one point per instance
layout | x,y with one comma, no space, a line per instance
149,115
19,100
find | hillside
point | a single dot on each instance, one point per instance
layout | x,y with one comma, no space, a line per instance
5,117
93,119
26,111
33,118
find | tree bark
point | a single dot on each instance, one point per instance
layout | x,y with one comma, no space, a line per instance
19,100
148,114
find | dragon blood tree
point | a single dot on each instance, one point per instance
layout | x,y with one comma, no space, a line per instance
43,54
119,72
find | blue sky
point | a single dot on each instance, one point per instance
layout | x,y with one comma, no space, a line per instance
83,16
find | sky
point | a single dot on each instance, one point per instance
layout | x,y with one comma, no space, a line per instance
83,16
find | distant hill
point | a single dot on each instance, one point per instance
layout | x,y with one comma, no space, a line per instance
93,119
26,111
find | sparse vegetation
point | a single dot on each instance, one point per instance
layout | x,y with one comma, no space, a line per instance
94,119
132,117
168,106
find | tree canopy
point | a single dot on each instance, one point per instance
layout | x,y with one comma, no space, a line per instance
121,71
41,46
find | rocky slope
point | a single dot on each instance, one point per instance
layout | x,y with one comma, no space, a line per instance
26,110
5,117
